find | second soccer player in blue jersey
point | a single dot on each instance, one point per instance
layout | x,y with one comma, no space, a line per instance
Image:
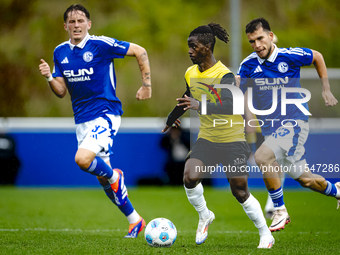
269,69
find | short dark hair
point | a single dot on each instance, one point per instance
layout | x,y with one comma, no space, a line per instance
206,34
255,24
76,7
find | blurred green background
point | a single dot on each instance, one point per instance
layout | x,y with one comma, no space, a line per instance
31,29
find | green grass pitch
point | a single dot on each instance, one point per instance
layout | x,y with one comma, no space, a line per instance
84,221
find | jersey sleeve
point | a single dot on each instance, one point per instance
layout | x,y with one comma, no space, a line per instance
56,69
301,56
245,80
115,48
178,111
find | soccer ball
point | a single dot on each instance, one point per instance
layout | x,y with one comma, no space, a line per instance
160,232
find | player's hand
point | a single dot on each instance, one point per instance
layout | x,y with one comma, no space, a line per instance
143,93
45,69
238,80
189,102
330,100
176,124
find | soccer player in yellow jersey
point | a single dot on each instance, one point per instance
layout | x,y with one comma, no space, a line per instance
216,144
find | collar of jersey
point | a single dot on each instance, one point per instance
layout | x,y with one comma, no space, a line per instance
271,58
211,68
80,45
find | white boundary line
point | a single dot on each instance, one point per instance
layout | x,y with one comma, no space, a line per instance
129,124
119,230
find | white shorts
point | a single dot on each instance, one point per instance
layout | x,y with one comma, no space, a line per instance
287,143
96,135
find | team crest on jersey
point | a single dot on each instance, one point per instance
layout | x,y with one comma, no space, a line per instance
283,67
88,56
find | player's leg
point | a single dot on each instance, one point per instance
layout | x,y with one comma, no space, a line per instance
269,207
194,191
94,148
296,157
94,140
265,159
94,143
255,140
319,184
137,223
236,155
88,161
239,188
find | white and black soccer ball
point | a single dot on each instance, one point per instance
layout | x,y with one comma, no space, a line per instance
160,232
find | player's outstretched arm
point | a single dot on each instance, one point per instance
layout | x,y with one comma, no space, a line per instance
184,104
176,124
178,111
143,61
57,85
320,67
188,103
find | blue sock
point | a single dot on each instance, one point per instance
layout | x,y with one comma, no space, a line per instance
277,197
109,193
99,168
127,208
331,190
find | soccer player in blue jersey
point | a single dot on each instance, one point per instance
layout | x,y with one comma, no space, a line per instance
265,71
84,67
255,139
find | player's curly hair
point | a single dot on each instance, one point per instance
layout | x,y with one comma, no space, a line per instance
206,34
76,7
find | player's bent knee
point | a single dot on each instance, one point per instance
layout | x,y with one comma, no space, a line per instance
83,162
241,195
259,158
264,156
188,181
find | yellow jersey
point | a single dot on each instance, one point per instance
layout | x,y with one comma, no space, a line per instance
217,128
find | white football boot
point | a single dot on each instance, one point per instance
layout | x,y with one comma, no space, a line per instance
266,242
280,219
337,185
202,229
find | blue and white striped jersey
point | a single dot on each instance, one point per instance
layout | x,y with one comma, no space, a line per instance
281,69
89,73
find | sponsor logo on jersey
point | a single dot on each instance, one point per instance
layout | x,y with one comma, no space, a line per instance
88,56
270,83
283,67
80,75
